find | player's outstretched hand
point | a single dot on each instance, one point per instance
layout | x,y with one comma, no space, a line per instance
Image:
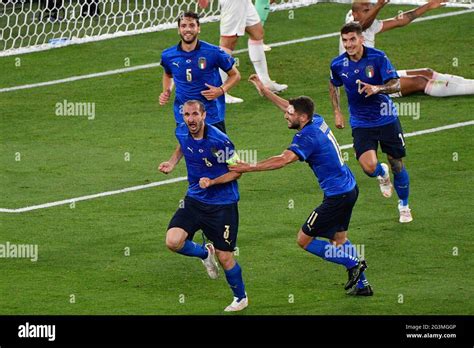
164,97
165,167
339,120
433,4
213,92
241,167
203,3
257,83
367,88
205,183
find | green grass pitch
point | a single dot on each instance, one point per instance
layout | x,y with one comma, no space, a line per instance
427,263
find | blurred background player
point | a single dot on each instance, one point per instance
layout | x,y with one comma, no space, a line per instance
424,80
237,18
211,200
193,66
368,77
315,144
263,9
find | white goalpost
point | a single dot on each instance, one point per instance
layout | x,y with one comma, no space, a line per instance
35,25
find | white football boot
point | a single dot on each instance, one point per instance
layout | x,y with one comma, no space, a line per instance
276,87
232,100
236,305
405,213
210,262
385,183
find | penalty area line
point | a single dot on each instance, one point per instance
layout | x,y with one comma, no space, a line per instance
182,178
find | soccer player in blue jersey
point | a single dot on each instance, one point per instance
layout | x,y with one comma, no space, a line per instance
316,145
193,66
368,78
210,204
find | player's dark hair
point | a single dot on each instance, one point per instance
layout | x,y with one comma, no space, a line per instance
351,27
202,108
304,105
188,14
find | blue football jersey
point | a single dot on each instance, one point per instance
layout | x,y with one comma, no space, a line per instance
316,145
207,158
374,68
191,71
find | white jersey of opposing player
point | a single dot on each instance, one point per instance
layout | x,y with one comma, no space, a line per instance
369,33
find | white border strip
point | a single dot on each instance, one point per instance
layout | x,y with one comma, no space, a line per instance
182,178
154,65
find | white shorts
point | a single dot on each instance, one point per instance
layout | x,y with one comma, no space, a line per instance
236,15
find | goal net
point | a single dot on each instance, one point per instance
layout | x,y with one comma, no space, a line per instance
33,25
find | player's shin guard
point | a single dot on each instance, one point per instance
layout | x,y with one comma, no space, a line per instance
329,252
259,60
236,283
193,249
401,182
350,249
379,171
436,88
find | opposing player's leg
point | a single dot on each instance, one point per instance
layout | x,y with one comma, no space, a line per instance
254,28
440,87
263,9
181,230
232,25
434,75
392,143
365,146
220,225
331,220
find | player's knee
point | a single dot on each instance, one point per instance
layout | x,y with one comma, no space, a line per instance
369,167
339,238
303,240
173,241
396,164
428,72
226,259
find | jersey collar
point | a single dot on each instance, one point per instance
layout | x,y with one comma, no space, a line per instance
198,46
204,136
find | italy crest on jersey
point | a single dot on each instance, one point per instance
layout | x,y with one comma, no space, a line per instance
369,71
202,63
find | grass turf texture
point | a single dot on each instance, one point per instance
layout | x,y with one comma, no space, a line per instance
81,250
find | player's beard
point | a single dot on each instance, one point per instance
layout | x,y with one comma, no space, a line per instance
188,42
294,125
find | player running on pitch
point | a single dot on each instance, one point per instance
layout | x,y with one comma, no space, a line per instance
368,77
315,144
211,200
424,80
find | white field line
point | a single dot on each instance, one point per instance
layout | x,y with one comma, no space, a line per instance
154,65
182,178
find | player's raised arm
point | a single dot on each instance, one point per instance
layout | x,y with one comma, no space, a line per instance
168,166
264,91
271,163
167,88
407,17
371,15
335,95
